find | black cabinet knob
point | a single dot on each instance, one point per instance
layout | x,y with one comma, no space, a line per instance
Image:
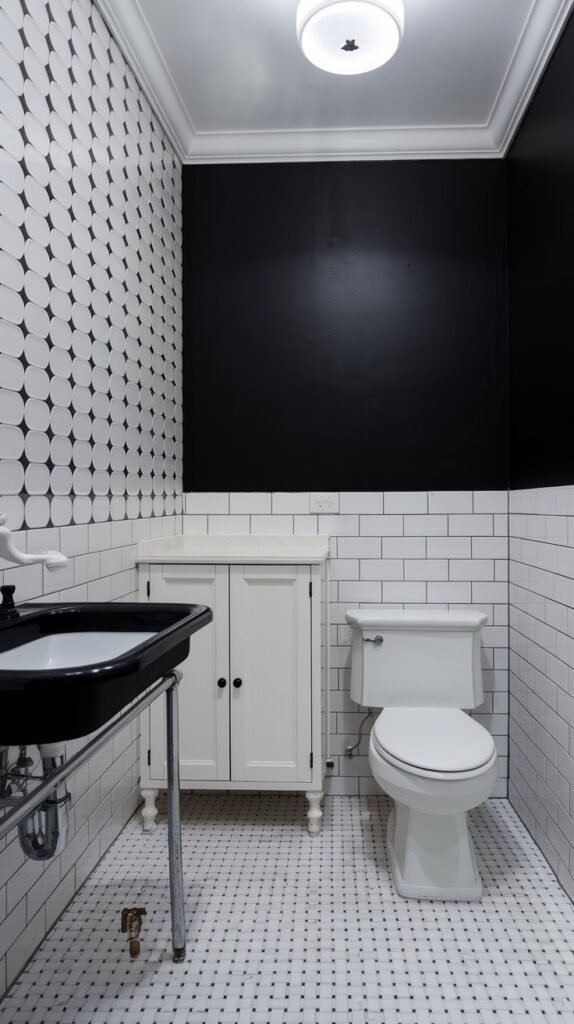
237,683
222,683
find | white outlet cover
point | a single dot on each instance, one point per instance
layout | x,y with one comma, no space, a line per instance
324,502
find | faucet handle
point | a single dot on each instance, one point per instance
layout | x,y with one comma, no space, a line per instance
7,591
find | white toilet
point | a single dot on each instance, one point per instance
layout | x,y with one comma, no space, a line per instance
422,667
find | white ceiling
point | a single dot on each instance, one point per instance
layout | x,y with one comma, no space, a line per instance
230,83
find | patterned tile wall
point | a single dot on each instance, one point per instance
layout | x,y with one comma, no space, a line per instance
542,670
90,277
445,548
90,371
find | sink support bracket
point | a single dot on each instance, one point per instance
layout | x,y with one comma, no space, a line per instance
29,803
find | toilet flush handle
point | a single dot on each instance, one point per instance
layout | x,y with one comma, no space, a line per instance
376,640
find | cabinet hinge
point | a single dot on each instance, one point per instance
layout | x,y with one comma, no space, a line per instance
149,757
148,588
311,759
310,590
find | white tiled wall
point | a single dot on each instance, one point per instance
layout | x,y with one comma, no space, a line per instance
541,528
445,548
90,370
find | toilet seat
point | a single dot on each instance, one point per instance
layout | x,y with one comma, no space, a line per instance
439,743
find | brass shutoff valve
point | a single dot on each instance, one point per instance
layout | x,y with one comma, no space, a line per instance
131,923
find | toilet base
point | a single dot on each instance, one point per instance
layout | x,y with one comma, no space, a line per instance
431,855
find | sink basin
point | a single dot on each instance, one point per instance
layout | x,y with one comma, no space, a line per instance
66,669
66,650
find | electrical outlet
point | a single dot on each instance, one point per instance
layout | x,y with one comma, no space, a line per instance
325,503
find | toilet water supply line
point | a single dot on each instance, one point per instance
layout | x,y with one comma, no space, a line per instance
349,751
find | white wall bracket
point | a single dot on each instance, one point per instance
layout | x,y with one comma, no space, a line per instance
51,559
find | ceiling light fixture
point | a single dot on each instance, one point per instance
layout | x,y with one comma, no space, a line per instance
349,37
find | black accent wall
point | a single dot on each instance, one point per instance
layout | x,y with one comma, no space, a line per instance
345,326
541,280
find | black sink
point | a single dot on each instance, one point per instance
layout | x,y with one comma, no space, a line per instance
76,694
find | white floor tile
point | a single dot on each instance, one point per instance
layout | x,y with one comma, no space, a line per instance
288,929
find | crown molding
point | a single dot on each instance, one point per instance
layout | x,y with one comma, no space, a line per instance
490,140
527,65
401,143
132,32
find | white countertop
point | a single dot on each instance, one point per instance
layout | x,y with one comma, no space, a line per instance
247,549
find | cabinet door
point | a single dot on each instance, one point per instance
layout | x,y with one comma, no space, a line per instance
271,654
203,705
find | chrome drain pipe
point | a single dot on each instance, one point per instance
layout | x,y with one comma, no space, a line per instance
43,834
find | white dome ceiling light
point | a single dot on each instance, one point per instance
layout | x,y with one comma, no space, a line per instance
349,37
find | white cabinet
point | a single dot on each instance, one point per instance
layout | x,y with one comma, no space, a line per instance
251,694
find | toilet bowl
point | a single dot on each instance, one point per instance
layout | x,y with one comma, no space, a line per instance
423,667
436,764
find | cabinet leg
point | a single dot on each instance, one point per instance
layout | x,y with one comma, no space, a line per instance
314,814
149,809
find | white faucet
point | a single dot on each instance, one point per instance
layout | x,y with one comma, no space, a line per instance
51,559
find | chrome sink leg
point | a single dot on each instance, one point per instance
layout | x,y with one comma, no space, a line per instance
174,823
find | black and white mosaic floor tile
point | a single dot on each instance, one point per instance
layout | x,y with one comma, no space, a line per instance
288,929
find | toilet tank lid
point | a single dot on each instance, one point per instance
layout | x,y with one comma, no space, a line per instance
416,618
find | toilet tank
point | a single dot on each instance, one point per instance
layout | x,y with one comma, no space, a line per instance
419,658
